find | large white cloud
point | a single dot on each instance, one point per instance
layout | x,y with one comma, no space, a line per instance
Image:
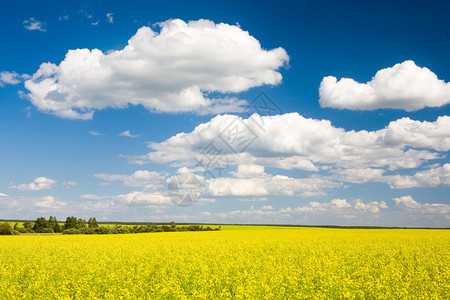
169,71
40,183
408,203
268,185
403,86
427,178
291,141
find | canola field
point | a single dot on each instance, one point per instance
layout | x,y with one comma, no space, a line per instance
249,263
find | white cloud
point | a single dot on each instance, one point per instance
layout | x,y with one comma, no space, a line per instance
340,207
426,178
340,203
110,17
128,134
33,24
9,78
359,175
144,198
69,184
408,203
40,183
49,202
253,182
92,197
169,71
292,141
95,133
407,132
103,206
141,178
253,199
3,195
403,86
95,23
371,207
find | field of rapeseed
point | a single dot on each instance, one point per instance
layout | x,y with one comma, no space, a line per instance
260,263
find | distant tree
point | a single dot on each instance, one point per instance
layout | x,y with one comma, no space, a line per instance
16,226
81,223
28,225
92,223
5,228
40,224
53,224
71,222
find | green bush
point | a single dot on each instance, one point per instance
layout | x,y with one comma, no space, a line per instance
15,232
102,230
5,228
71,231
24,230
28,225
95,230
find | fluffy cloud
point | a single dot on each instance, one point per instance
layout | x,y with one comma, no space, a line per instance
359,175
169,71
339,206
403,86
40,183
407,132
291,141
269,185
33,24
144,198
49,202
427,178
141,178
9,78
408,203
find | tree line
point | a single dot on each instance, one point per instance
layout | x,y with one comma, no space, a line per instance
75,225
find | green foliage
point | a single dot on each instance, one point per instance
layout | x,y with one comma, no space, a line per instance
28,225
25,230
81,223
166,228
92,223
53,224
73,222
75,225
40,224
71,231
98,230
15,232
5,228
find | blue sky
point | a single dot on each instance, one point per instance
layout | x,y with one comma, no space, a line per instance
95,98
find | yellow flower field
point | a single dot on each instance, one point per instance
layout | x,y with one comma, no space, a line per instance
253,263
